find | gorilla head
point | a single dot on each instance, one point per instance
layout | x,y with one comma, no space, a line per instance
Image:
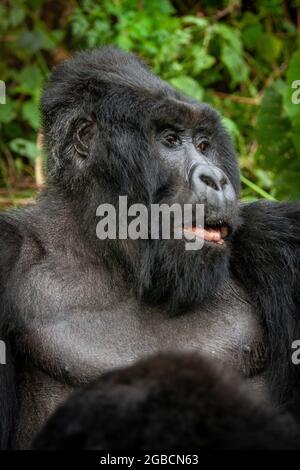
113,128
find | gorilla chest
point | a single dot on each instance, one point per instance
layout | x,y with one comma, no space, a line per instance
76,340
80,338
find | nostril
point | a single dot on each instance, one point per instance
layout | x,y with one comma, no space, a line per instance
209,181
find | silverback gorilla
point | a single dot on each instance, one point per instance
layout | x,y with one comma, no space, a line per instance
73,306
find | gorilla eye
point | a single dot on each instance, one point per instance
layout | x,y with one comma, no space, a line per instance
172,139
203,146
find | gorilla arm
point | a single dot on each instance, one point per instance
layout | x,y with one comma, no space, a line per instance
266,261
10,244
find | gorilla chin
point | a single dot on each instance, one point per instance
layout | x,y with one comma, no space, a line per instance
182,279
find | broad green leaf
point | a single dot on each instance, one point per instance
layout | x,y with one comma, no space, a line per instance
269,47
232,52
235,64
30,80
274,132
30,112
287,182
264,178
230,35
292,97
251,35
23,147
16,15
29,41
4,24
200,23
231,127
7,112
189,86
202,60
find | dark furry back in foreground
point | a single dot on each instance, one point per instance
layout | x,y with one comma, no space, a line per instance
168,402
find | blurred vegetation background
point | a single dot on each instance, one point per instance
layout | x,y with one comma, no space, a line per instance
240,56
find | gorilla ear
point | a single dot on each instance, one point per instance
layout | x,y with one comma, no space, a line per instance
83,137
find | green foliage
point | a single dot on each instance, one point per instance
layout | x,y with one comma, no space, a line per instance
244,61
278,132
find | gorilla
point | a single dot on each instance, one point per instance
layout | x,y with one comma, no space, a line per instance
73,306
161,403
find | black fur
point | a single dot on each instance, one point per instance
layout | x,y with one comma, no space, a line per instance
168,402
111,91
103,116
10,243
266,260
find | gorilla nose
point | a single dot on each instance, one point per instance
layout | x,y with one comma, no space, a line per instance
210,179
204,175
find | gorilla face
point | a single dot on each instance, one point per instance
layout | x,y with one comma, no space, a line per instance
197,166
112,128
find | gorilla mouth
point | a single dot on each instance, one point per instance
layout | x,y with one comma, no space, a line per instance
216,233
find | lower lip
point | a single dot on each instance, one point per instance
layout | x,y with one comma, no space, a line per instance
201,236
221,243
